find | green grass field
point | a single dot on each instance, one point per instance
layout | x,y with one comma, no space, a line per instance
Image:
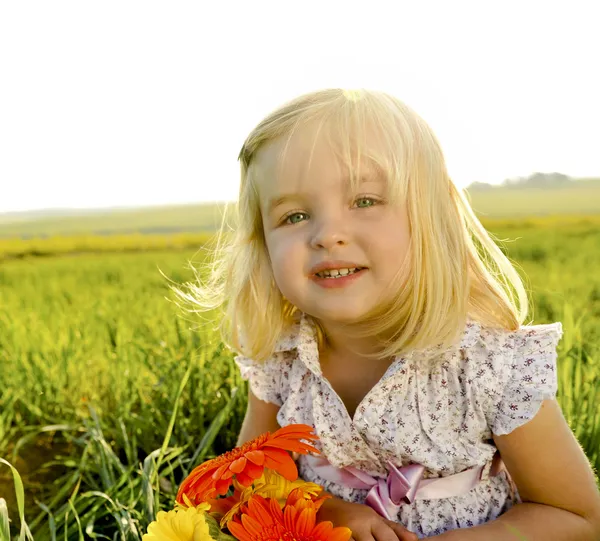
109,395
581,197
149,220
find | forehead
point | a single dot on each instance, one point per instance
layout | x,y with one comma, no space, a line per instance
313,157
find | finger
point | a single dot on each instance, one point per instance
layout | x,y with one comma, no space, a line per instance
361,536
382,532
363,532
401,532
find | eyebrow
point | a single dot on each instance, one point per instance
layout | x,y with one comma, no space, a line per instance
274,202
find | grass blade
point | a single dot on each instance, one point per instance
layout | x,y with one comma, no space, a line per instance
76,519
212,431
167,438
4,522
24,533
51,521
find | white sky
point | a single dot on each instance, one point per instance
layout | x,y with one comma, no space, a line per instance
142,102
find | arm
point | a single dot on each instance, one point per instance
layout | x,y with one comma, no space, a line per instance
561,501
260,417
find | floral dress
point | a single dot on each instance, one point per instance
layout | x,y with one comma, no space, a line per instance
441,416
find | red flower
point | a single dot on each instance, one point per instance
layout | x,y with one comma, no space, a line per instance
264,520
214,477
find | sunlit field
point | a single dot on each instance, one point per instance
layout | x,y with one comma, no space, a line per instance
109,393
579,198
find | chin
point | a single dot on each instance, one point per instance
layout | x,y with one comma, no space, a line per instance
346,316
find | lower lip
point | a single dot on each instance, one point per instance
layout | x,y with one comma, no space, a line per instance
342,281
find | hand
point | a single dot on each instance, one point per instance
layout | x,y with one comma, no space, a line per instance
365,523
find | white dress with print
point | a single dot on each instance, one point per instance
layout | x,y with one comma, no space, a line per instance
442,417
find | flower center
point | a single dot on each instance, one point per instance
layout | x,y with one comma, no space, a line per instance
240,451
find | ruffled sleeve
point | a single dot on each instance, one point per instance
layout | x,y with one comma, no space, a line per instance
268,379
526,376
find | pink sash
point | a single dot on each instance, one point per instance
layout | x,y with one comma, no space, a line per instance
403,485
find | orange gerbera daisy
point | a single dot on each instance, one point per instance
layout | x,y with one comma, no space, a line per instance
264,520
214,477
270,485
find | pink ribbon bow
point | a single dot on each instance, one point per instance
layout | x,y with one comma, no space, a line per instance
402,485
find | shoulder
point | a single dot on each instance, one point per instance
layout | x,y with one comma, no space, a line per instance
501,353
484,344
514,371
529,340
268,379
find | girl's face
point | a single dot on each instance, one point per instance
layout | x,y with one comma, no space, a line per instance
314,224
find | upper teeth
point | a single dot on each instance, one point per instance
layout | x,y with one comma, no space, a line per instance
334,273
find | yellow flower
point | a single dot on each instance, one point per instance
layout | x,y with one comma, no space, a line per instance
204,506
273,485
181,524
270,485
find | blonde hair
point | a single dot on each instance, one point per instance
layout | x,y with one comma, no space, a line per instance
457,272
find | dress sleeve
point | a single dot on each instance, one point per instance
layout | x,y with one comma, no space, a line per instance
526,376
266,379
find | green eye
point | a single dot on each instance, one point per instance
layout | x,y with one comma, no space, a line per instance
365,202
295,218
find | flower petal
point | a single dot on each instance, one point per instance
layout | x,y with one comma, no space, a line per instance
341,533
239,532
253,470
275,510
237,466
243,479
292,446
322,530
294,496
282,464
222,486
220,471
296,431
289,518
320,501
256,457
252,525
195,489
306,522
259,508
277,455
227,474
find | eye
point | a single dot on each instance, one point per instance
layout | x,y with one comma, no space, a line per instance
294,218
365,202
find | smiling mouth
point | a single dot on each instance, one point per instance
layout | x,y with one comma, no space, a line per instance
338,273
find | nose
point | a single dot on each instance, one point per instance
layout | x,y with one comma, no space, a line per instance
329,233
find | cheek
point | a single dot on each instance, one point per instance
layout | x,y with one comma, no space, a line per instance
392,250
400,231
391,240
402,241
285,259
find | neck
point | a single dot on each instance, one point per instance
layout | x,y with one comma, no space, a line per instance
341,340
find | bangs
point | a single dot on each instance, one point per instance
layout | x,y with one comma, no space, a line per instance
368,135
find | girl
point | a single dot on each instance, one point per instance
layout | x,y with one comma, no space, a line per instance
366,299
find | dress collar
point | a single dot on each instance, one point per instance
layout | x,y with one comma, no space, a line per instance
302,337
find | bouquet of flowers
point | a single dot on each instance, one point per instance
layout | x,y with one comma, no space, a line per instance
251,493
